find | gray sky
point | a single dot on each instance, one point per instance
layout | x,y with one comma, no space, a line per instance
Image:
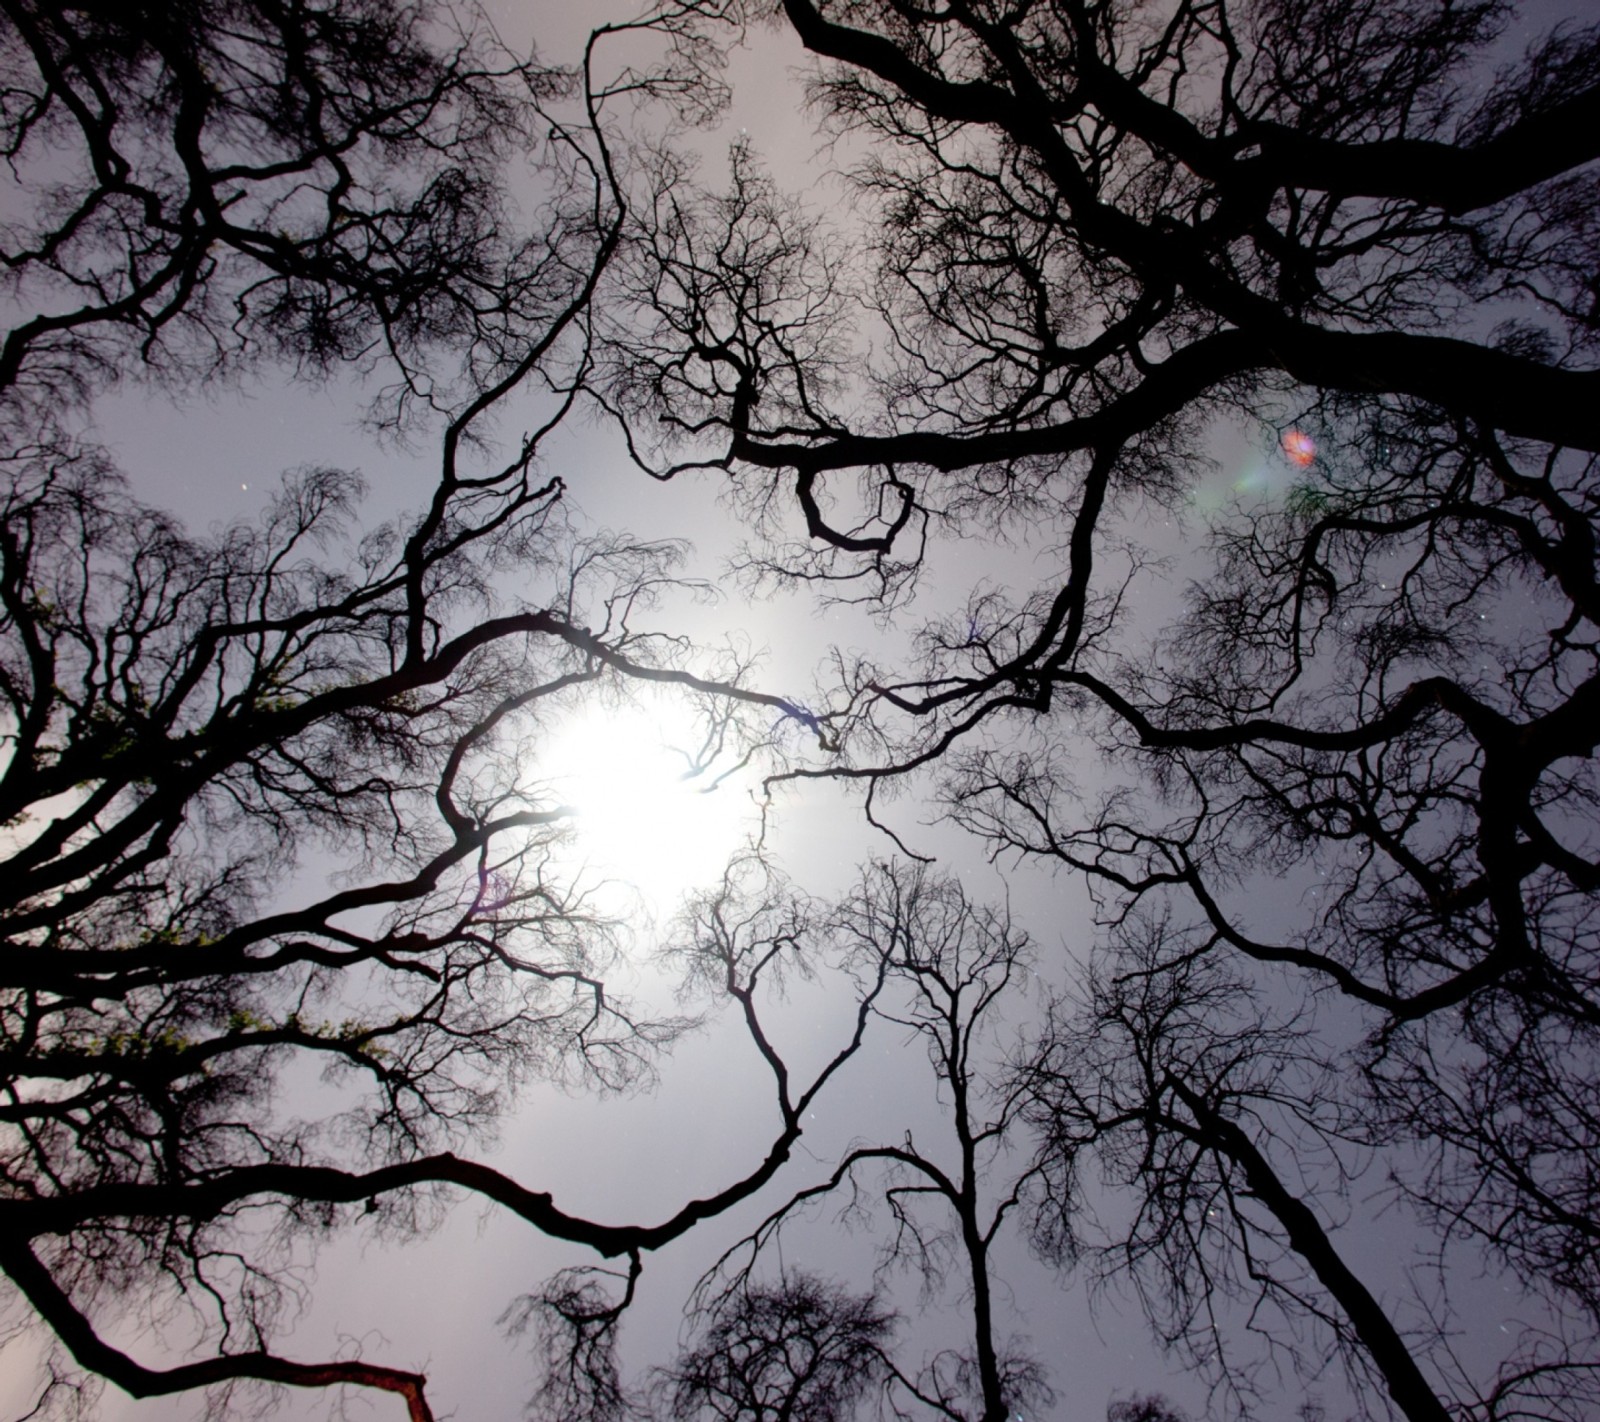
216,455
433,1303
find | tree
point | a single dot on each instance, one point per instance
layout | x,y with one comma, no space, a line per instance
1092,234
199,185
188,720
1334,796
1153,1408
744,943
801,1349
939,966
1215,1121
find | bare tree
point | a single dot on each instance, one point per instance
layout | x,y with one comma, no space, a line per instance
196,725
1217,1124
798,1350
1091,235
941,966
741,944
1150,1408
1086,236
192,186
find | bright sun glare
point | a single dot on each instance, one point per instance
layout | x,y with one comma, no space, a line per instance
646,817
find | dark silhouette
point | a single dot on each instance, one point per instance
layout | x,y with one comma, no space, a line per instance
1150,1408
947,970
800,1350
1354,757
1323,748
195,726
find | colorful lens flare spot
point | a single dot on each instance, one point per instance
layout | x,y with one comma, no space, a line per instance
1300,447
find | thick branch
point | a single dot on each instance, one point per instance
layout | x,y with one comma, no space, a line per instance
93,1352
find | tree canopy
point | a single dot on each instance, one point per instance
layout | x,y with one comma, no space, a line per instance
1316,745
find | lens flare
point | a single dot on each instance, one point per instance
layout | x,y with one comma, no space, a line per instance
1300,447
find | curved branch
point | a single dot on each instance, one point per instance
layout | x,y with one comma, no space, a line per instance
93,1352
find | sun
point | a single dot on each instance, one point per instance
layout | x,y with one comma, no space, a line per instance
655,807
